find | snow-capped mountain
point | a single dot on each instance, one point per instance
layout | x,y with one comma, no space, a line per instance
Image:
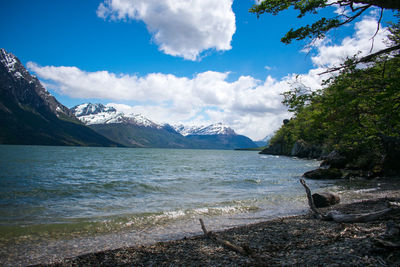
30,115
26,88
213,129
135,130
91,114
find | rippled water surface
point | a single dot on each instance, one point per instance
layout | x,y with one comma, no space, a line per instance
62,201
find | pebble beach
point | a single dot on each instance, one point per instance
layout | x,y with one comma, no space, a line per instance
294,240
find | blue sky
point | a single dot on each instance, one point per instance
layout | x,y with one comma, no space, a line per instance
213,62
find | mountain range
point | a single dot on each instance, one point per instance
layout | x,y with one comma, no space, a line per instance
134,130
30,115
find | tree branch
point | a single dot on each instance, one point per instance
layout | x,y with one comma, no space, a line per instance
244,250
363,59
377,30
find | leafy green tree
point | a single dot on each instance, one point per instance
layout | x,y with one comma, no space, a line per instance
355,112
351,114
352,9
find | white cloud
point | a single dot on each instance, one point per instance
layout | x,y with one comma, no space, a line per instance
361,42
207,97
183,28
250,106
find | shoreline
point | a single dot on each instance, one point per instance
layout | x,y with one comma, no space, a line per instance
291,240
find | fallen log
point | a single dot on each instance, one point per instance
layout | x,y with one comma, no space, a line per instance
336,216
244,250
355,218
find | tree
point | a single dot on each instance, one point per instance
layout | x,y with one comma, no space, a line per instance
351,9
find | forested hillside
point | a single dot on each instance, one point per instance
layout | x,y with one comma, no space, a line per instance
356,113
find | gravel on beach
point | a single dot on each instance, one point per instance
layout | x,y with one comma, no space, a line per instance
297,240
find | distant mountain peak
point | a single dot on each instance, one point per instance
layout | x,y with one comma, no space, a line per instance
91,109
8,59
91,114
213,129
26,88
13,65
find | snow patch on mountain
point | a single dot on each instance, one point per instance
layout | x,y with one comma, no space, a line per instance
92,109
213,129
8,60
11,63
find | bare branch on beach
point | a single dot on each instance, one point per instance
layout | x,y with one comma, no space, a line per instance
244,250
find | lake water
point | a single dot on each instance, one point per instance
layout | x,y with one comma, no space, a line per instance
63,201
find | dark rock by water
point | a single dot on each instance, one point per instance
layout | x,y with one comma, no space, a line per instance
303,149
334,160
391,159
325,199
300,149
275,149
323,174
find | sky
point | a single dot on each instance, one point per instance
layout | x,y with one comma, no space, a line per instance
192,62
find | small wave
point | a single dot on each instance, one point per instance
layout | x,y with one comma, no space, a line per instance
148,188
252,181
167,216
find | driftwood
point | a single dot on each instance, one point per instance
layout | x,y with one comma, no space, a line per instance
392,234
342,218
221,241
244,250
354,218
311,204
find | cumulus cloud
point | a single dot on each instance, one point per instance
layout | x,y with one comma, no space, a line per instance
207,97
250,106
361,42
180,28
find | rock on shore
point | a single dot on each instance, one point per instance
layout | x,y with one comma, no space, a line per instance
323,174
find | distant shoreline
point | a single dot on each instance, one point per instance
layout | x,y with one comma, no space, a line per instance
250,149
282,241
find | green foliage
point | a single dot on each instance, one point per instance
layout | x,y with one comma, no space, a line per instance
350,114
318,29
298,98
276,6
394,30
